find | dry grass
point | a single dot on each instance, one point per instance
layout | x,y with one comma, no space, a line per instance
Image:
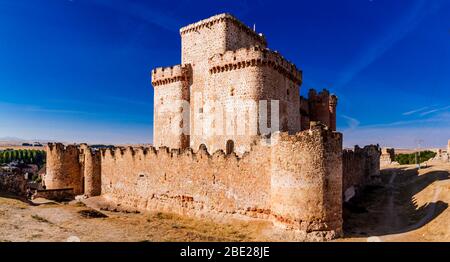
40,219
57,222
191,229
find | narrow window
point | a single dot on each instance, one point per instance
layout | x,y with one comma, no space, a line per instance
230,146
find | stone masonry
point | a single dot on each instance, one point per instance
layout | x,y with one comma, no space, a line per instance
294,177
227,66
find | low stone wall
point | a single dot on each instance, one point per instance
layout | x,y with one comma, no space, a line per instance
13,183
361,167
62,194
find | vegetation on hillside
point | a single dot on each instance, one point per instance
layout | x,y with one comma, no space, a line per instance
23,155
409,159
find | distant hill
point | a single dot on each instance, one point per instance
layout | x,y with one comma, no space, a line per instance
15,141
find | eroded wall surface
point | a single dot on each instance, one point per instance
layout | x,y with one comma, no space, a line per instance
361,167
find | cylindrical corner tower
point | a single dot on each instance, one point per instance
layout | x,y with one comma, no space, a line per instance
306,183
63,168
91,171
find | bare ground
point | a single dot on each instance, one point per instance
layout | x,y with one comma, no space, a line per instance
49,221
410,205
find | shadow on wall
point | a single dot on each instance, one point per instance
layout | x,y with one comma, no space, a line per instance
392,208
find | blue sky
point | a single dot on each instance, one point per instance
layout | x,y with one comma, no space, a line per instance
78,70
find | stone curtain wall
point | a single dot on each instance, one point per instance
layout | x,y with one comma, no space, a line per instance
189,182
361,167
295,181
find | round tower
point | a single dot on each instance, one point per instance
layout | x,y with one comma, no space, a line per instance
319,106
63,168
91,171
306,183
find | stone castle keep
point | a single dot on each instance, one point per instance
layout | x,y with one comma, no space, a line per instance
224,61
295,178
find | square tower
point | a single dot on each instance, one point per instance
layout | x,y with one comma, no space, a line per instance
216,35
201,41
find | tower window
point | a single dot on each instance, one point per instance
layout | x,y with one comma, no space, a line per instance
230,147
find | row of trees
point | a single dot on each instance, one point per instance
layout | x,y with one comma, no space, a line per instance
409,159
23,155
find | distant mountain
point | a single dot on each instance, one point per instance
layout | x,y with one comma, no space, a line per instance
11,139
15,141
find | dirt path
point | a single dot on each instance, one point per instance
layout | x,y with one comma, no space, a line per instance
411,206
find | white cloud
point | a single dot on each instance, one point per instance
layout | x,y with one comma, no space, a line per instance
434,131
415,111
351,122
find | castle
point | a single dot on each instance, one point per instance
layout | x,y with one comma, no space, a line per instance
227,68
232,138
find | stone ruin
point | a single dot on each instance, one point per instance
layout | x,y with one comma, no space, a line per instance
442,156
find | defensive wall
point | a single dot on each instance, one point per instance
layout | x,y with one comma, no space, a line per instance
361,167
296,181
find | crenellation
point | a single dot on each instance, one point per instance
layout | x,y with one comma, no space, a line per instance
296,175
254,56
222,18
168,75
319,107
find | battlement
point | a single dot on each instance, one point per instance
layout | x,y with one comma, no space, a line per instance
366,150
222,18
59,148
166,75
129,152
254,56
319,106
323,95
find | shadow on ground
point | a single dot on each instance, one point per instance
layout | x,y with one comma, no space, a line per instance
391,208
25,200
